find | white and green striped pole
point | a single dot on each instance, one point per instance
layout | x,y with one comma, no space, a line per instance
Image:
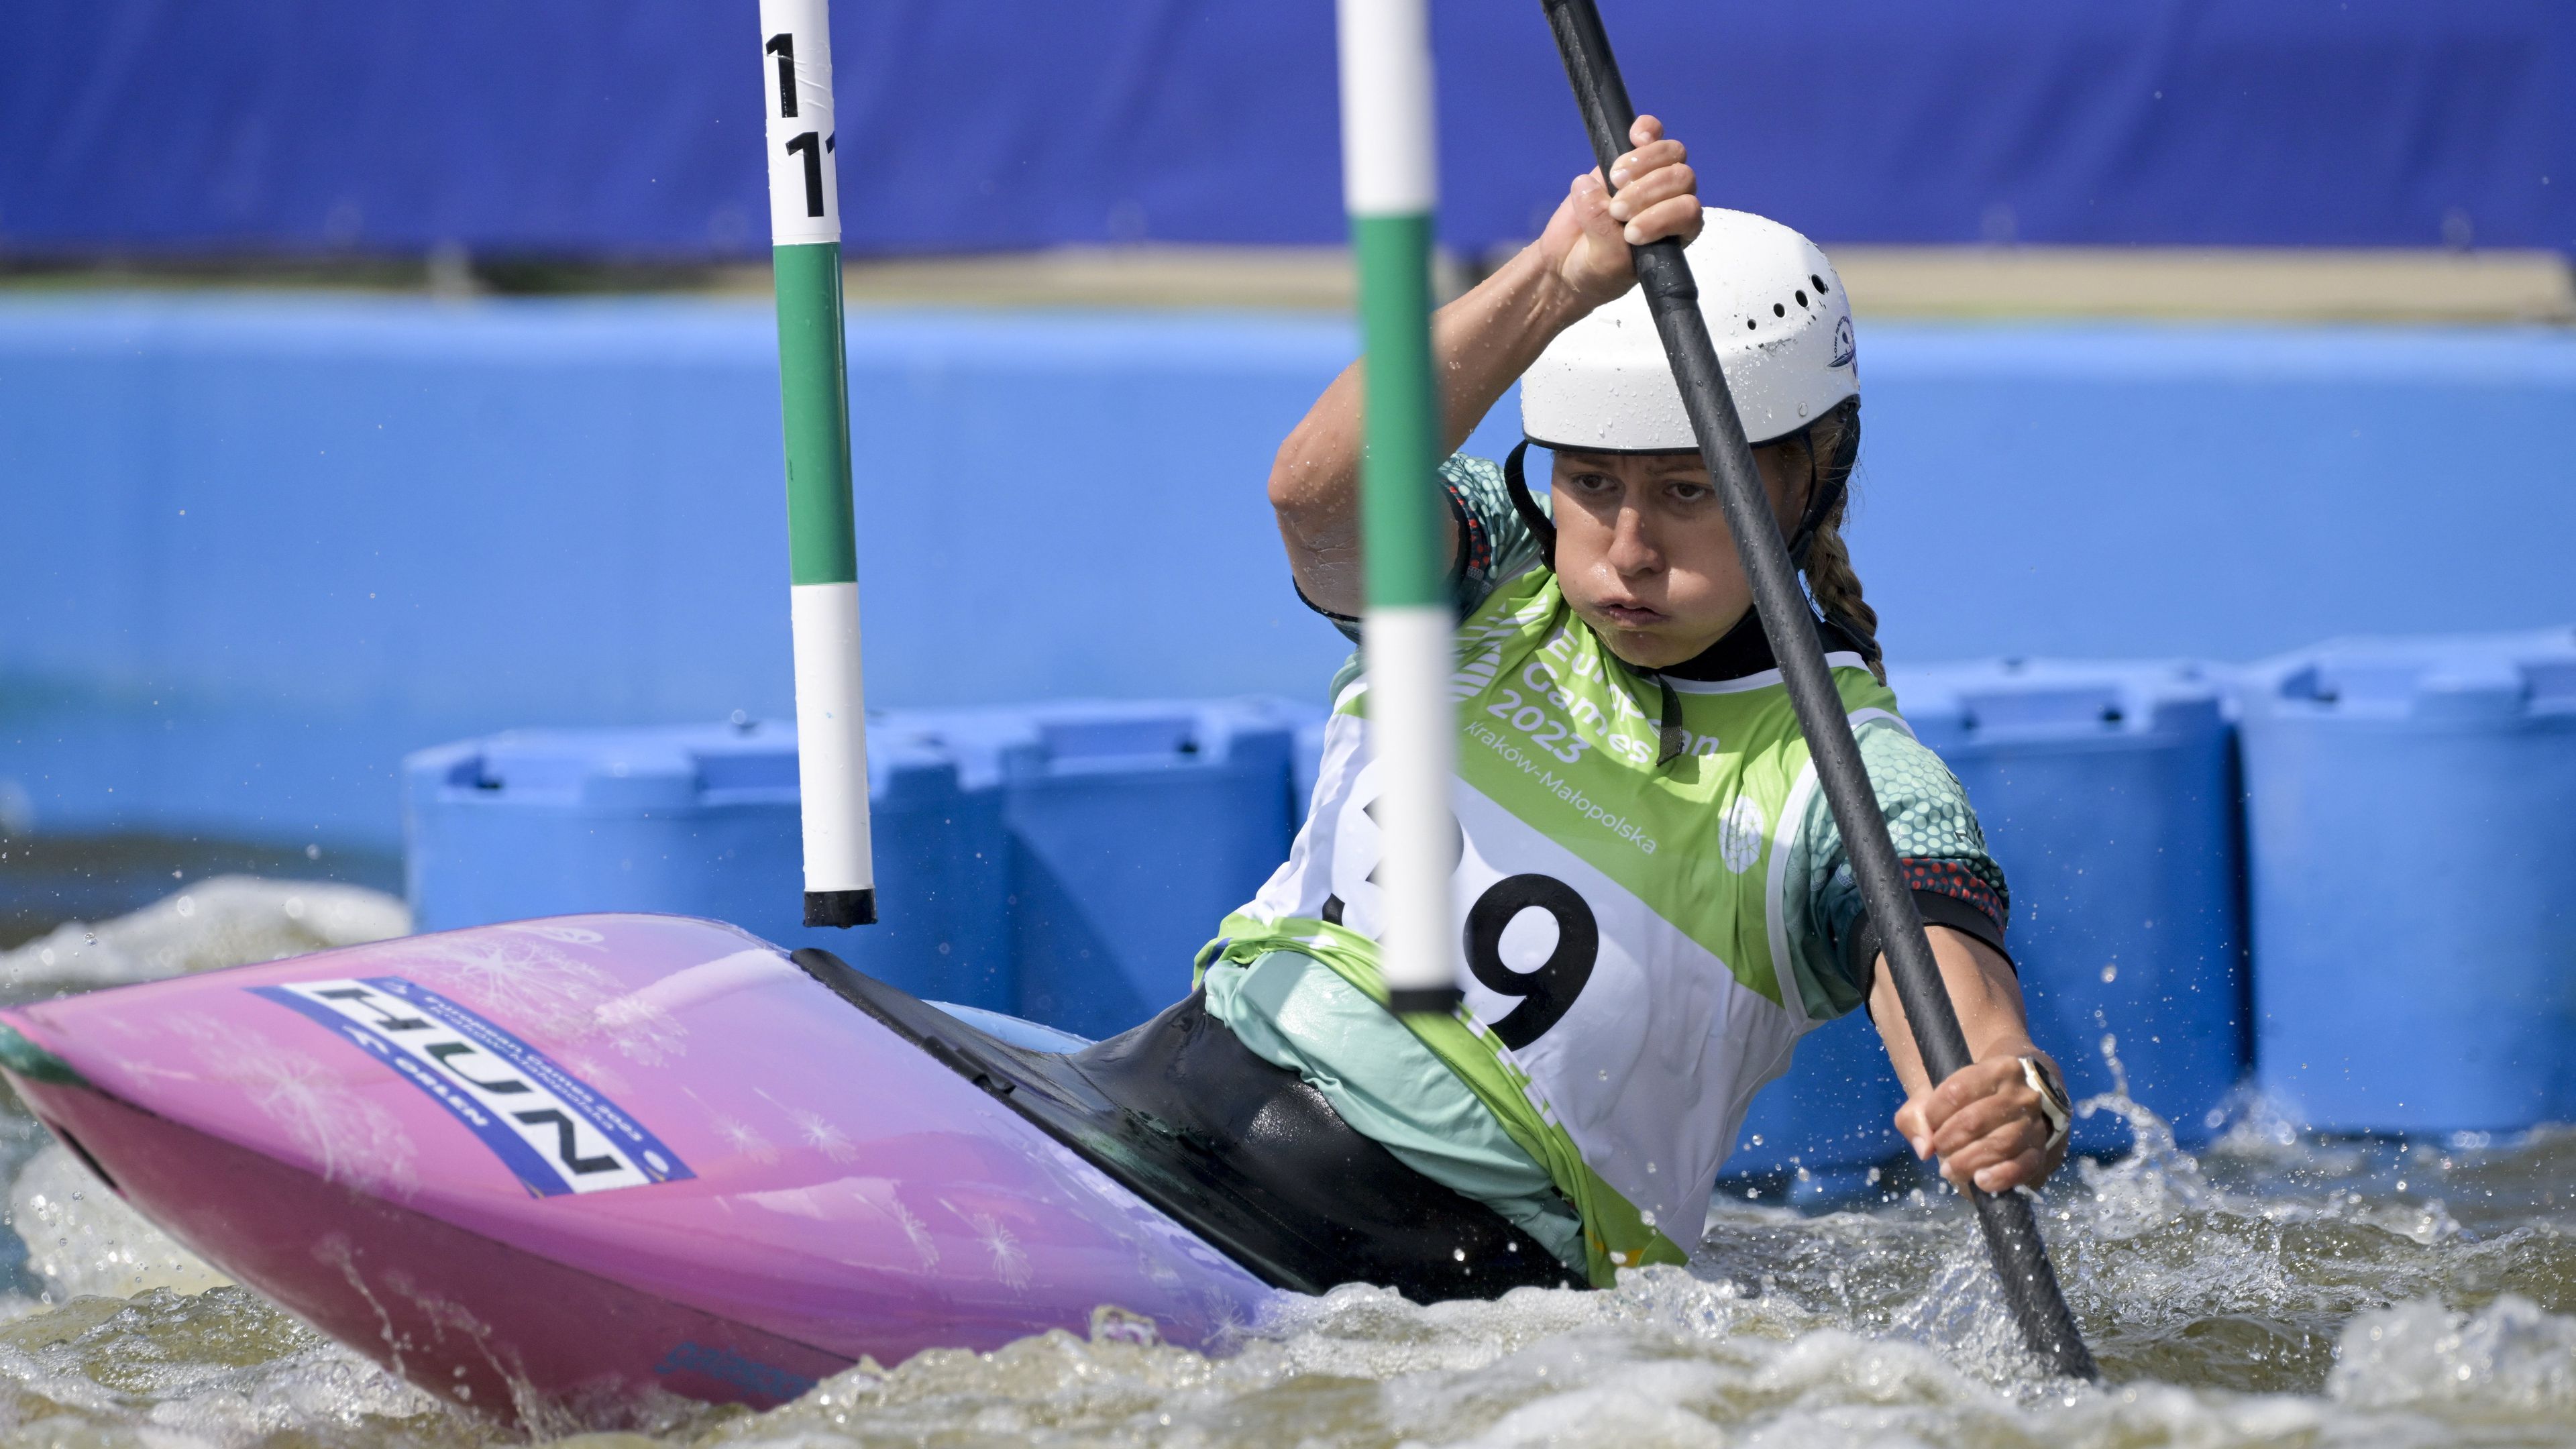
1387,184
822,543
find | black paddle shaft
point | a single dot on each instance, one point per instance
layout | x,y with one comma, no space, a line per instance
2012,1233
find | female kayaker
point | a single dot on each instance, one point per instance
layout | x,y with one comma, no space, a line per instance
1655,900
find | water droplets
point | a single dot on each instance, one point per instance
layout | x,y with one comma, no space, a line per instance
2273,1288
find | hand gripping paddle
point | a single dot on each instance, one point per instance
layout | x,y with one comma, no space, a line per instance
2012,1234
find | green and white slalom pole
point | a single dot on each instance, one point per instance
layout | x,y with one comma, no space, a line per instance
1387,180
822,543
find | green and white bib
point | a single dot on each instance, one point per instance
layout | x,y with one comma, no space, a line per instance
1623,950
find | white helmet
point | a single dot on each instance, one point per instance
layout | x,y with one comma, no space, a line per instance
1783,331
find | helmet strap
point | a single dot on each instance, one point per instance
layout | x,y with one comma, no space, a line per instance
1670,736
1821,499
1820,504
1541,527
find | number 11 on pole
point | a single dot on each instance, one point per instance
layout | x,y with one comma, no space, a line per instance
814,395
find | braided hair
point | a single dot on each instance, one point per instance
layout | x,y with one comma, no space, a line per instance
1833,447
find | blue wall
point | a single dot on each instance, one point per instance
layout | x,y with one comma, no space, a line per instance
632,126
259,548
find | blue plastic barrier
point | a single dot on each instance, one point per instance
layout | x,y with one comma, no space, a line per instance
1828,1124
2107,793
1133,827
703,821
2411,806
286,540
2105,790
1305,754
1306,767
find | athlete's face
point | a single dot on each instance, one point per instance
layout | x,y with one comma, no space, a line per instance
1643,551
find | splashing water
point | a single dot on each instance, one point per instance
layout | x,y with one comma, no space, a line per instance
223,921
2274,1290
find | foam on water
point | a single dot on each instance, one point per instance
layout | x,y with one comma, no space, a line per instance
2273,1291
222,921
83,1241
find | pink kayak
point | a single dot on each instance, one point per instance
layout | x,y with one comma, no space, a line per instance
574,1161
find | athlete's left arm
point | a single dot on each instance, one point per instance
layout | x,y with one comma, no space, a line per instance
1986,1123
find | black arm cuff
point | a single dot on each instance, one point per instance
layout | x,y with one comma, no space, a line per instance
1862,947
1471,546
1349,623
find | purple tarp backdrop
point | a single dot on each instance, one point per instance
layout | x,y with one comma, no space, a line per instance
626,126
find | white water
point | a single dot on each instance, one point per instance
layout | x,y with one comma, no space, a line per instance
2274,1292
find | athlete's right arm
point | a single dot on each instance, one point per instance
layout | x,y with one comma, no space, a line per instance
1479,344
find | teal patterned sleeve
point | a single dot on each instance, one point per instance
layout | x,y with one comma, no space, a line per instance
1955,881
1494,542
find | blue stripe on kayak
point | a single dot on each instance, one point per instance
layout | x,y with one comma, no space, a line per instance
519,1102
653,1158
